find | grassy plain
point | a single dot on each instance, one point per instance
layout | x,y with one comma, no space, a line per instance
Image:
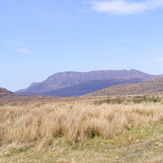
98,129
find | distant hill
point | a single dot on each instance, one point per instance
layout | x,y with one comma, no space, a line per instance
151,87
80,83
5,93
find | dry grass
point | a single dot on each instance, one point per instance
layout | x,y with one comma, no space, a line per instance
75,122
80,129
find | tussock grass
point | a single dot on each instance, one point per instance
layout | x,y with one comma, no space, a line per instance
75,122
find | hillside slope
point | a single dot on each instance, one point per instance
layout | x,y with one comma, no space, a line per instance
154,86
5,93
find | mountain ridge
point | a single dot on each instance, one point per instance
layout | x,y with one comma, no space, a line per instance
64,80
90,86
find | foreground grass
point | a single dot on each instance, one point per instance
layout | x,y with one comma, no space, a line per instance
81,132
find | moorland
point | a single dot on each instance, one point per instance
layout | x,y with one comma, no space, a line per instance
81,129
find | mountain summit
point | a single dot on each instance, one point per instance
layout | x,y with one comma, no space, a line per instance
79,83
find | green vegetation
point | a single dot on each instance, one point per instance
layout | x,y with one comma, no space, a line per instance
110,100
129,99
141,99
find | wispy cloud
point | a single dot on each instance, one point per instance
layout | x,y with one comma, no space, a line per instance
11,42
155,39
126,40
23,50
125,7
120,49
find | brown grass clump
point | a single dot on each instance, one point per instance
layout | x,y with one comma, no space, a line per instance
74,121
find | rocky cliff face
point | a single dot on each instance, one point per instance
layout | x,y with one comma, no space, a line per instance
71,78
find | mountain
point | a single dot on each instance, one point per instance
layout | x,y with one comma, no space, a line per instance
80,83
91,86
5,93
151,87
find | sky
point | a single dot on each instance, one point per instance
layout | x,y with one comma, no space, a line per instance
41,37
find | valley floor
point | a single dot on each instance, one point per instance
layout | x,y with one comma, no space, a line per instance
77,130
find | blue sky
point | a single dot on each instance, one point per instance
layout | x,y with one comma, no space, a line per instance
41,37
